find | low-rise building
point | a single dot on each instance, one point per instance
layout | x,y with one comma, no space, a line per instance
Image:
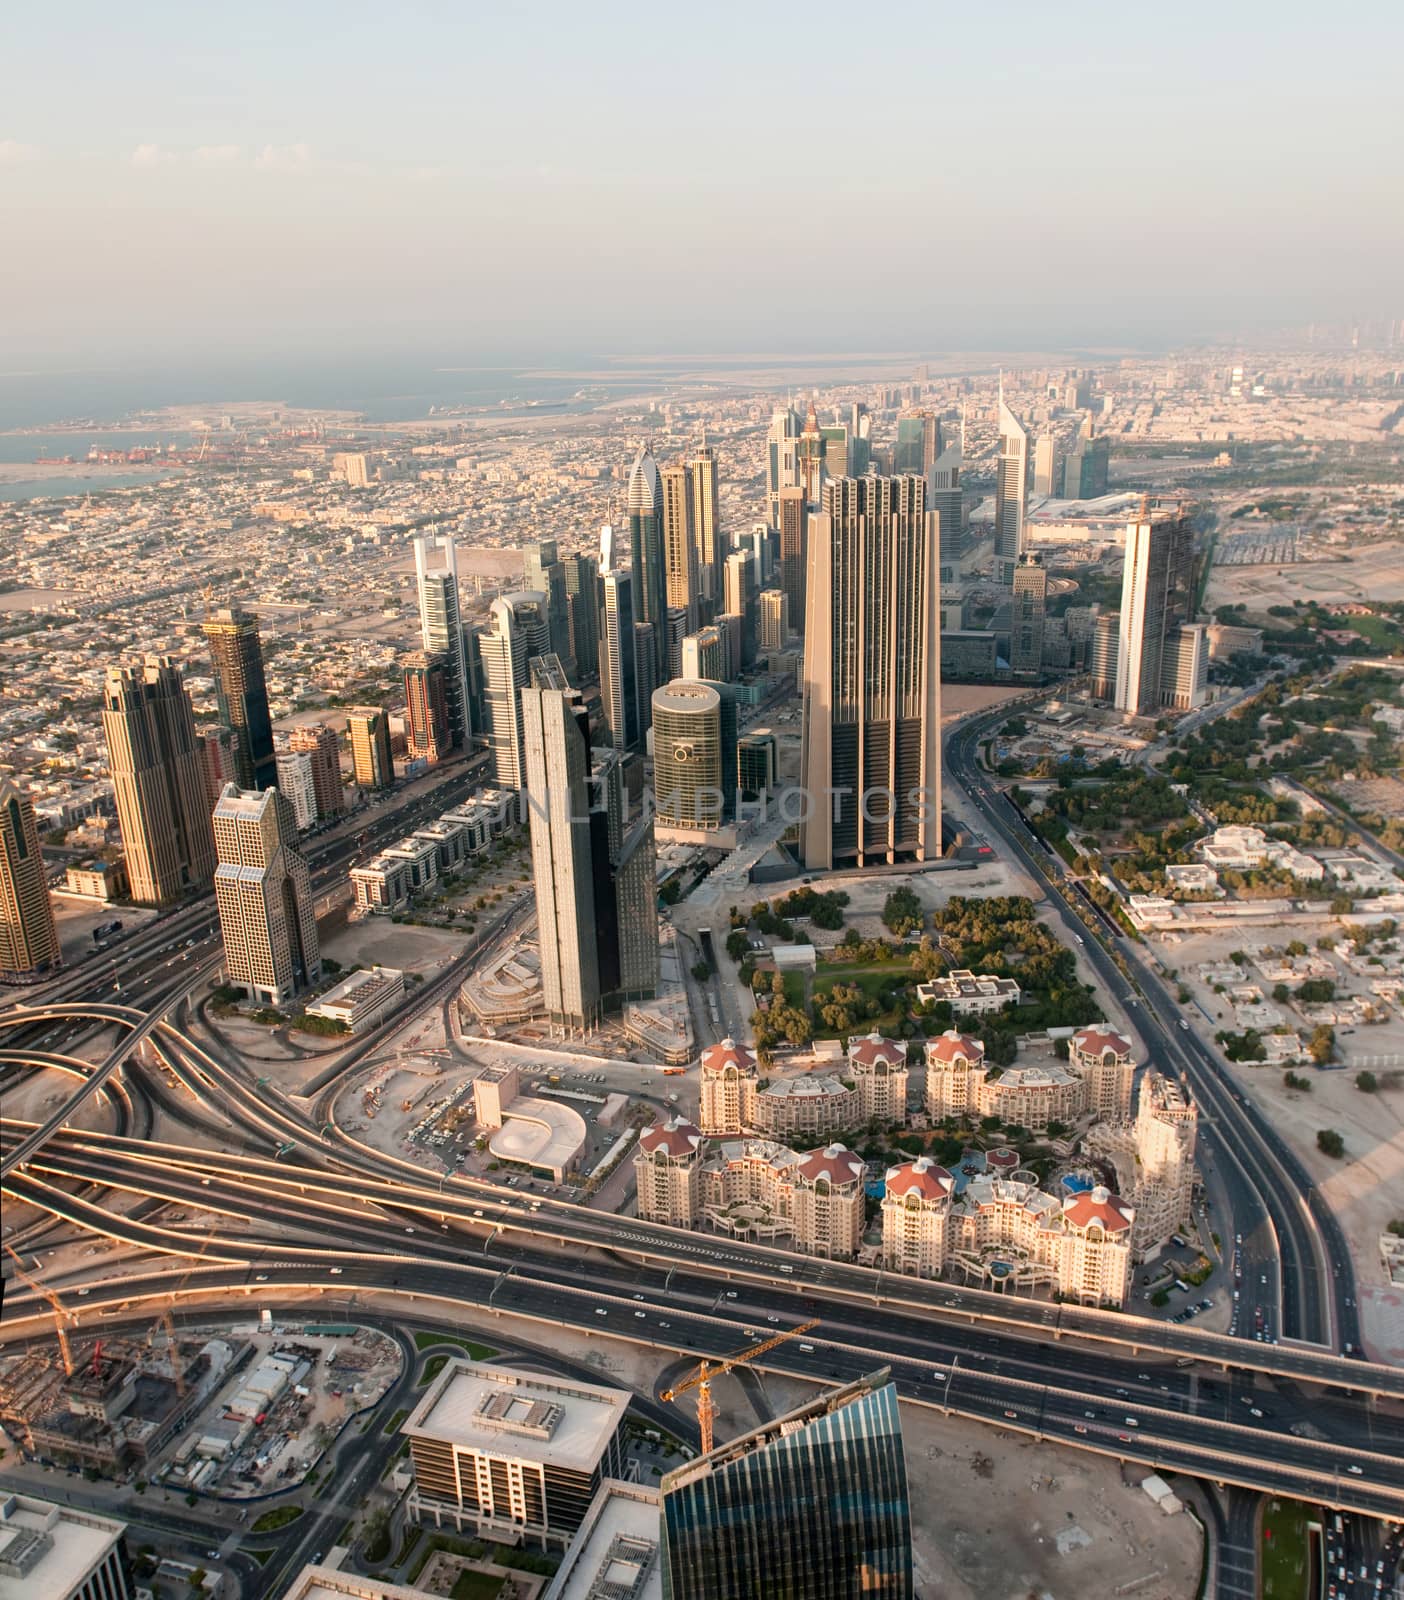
791,1108
381,885
96,879
970,994
363,999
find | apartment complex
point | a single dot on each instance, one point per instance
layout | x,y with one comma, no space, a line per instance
1095,1083
264,895
877,1068
1154,1158
322,745
999,1232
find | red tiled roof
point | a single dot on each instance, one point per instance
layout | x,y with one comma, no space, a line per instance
873,1048
716,1057
922,1177
952,1044
1098,1205
677,1137
835,1162
1096,1041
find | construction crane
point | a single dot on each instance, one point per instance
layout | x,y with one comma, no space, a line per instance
701,1379
55,1304
165,1320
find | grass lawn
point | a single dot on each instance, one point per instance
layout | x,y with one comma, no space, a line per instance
476,1586
872,978
1378,630
260,1556
795,990
432,1368
426,1339
1284,1550
278,1517
394,1422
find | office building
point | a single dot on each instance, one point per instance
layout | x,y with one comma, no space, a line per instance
689,766
809,458
1085,469
1157,589
650,568
677,632
583,601
773,619
428,736
29,944
704,655
918,442
352,468
441,626
518,630
756,757
837,445
1030,597
871,713
1011,473
219,761
645,681
818,1495
740,599
53,1552
615,1552
557,753
1184,671
1106,645
368,733
158,781
706,511
321,743
237,655
618,669
945,499
546,575
781,459
296,781
264,895
506,1454
793,523
1045,475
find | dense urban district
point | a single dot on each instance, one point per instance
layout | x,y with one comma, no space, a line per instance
585,978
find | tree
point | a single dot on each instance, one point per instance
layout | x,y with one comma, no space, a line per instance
777,984
671,892
1282,994
737,944
1367,1082
1330,1143
701,971
902,912
1322,1046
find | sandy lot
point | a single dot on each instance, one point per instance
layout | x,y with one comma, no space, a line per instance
1372,572
376,941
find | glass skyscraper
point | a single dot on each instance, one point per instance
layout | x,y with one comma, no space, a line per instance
811,1506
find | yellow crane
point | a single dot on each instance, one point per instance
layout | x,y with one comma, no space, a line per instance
55,1304
701,1379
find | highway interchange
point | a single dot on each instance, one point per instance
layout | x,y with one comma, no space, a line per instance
1329,1430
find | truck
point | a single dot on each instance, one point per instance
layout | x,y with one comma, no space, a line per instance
105,930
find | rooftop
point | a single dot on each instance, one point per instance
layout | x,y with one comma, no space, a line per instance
499,1411
47,1549
615,1554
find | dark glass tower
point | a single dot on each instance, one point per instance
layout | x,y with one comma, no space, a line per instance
243,694
811,1506
649,562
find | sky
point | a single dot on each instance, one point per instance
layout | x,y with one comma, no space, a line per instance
478,182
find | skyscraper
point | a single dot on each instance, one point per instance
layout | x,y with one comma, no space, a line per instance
368,731
740,599
1156,596
618,676
781,458
545,572
649,562
427,733
773,619
1010,487
1045,466
645,675
793,515
441,625
1085,469
688,782
1026,622
29,944
557,752
918,442
813,1505
945,497
706,510
243,695
154,755
321,743
704,654
809,458
680,544
583,600
298,782
519,629
871,682
264,894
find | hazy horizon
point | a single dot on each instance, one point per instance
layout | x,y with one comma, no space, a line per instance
270,185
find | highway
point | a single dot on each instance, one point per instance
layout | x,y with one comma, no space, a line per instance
1292,1237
